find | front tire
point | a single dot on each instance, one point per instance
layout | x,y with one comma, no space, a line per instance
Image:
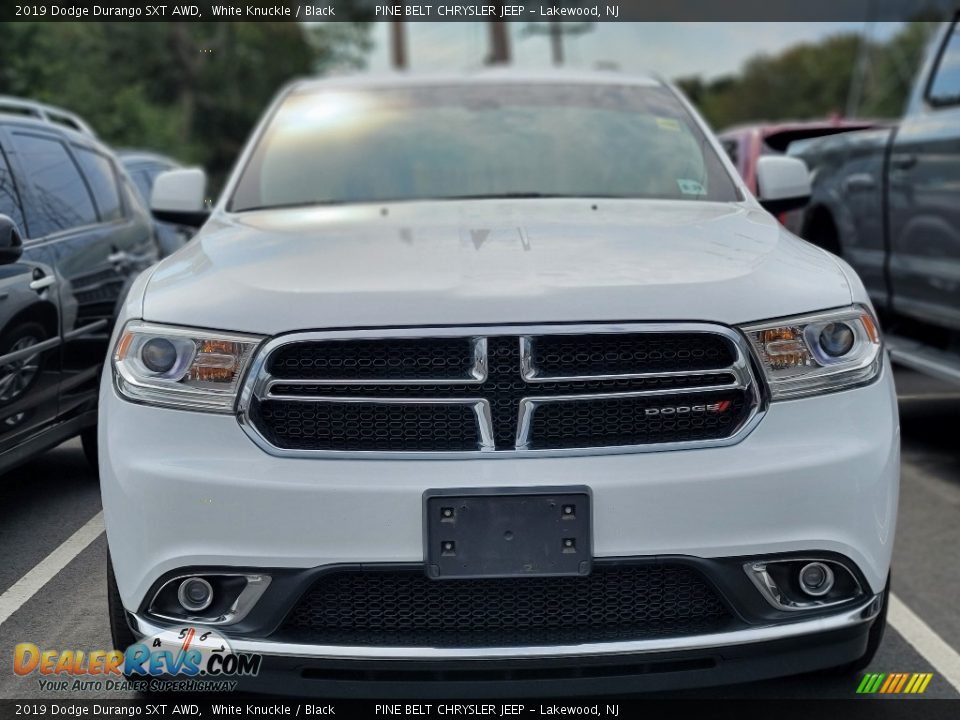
120,632
18,377
88,438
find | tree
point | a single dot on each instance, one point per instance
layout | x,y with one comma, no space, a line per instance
813,80
190,90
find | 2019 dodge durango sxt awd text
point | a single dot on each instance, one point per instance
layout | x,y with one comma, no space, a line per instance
499,384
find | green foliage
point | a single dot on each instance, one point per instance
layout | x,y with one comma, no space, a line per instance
189,90
815,80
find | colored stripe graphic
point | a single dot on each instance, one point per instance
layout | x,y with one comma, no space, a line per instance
891,680
894,683
903,681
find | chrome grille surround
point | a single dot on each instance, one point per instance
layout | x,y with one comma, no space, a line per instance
260,384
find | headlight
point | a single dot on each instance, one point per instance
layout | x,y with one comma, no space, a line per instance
181,367
817,353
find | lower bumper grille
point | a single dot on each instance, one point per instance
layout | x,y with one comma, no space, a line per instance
403,607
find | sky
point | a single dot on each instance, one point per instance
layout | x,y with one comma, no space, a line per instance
667,49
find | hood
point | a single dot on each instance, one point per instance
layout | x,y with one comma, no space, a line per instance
484,261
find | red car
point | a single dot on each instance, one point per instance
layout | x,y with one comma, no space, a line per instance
746,143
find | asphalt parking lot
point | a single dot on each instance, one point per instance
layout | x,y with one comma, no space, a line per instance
55,597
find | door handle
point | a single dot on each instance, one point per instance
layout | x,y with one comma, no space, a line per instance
42,283
119,257
859,181
903,161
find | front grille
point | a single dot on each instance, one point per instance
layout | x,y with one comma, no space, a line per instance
502,392
625,421
356,426
388,359
402,607
617,354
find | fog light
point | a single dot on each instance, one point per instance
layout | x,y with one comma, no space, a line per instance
195,594
816,579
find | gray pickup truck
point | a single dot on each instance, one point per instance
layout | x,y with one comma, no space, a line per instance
888,200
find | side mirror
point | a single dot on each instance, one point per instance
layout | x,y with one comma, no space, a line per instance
11,246
783,183
178,197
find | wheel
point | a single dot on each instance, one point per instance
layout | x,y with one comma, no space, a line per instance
18,376
120,631
88,438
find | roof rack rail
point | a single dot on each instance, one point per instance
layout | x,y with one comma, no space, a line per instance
47,113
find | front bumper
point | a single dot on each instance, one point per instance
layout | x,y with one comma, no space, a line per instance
185,489
551,671
820,475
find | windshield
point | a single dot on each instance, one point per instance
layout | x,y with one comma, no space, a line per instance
478,141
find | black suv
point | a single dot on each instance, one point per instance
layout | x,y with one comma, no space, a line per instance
74,233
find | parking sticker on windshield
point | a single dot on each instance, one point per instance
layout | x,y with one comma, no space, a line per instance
691,187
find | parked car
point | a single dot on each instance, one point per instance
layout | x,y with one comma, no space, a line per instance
886,199
746,144
446,389
73,234
144,166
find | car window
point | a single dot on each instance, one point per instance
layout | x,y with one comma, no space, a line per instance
9,200
132,195
60,199
481,140
103,183
732,148
945,86
159,169
143,183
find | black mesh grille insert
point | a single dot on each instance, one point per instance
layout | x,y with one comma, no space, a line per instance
404,607
637,421
395,359
353,426
619,354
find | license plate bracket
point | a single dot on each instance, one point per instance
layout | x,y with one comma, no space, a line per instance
507,532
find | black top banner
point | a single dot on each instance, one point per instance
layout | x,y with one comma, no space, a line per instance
483,11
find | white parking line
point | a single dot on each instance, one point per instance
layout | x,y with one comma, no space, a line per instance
44,571
945,660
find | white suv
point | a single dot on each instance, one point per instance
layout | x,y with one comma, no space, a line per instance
499,384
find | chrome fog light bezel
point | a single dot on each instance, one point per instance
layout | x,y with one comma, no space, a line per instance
240,606
782,599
